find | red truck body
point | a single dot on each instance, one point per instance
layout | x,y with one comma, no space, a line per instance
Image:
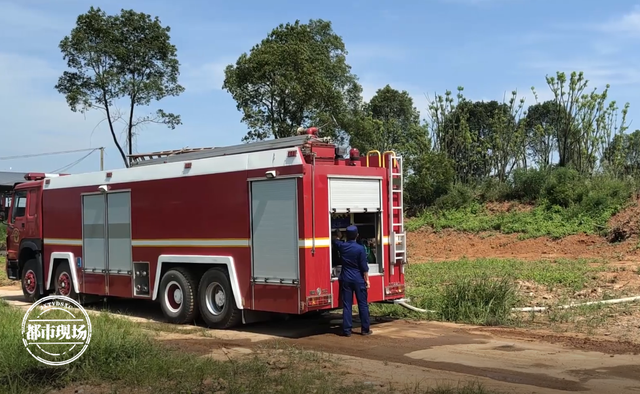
218,233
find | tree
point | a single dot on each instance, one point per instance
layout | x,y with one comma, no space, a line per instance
586,124
540,125
297,76
391,122
128,56
481,138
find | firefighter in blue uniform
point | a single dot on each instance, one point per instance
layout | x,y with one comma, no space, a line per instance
354,278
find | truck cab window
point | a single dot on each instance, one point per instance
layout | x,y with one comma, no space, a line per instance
19,205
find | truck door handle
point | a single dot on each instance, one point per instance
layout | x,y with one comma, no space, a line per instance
22,225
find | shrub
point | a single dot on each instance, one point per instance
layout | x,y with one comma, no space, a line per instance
527,185
481,300
460,196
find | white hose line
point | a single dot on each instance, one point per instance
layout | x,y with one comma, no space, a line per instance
413,308
533,308
543,308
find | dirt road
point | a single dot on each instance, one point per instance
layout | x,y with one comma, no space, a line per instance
426,353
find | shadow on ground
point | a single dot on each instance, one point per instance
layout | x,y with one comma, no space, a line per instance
283,326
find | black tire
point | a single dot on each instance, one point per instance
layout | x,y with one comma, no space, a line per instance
178,311
214,290
31,274
63,282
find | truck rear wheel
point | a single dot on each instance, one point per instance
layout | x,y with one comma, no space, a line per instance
30,275
178,296
217,303
64,282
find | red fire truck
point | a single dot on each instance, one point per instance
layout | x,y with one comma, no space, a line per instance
225,234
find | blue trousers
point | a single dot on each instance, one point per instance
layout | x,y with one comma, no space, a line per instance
347,289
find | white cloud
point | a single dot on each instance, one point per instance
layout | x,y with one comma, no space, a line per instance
628,23
599,71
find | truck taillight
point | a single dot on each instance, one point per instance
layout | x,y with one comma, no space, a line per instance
394,288
320,300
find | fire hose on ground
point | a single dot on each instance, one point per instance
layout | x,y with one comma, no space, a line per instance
403,303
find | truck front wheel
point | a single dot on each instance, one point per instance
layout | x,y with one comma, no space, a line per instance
30,274
217,303
178,296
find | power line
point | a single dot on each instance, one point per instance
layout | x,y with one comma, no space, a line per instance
48,154
73,164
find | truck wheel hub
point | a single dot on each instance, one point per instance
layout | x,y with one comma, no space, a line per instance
220,298
173,296
30,282
177,296
215,298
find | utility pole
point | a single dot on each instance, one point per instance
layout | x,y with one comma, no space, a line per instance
102,159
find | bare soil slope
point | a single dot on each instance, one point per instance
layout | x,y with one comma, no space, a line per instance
622,241
427,245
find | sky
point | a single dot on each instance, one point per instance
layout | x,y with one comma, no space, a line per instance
490,47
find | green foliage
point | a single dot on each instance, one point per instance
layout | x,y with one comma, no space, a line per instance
390,122
458,197
297,76
4,281
3,236
505,152
564,203
527,184
432,177
128,55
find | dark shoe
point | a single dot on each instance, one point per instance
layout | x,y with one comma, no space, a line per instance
346,334
367,332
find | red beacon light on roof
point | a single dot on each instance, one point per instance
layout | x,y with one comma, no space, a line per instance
309,131
354,156
38,176
35,176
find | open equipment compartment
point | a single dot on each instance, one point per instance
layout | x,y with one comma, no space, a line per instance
369,234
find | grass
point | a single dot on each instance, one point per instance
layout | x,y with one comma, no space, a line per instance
4,281
3,236
484,291
554,222
123,356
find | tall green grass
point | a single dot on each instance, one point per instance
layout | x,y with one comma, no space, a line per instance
4,281
483,301
483,291
3,236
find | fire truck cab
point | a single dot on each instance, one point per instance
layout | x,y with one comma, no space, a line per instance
253,236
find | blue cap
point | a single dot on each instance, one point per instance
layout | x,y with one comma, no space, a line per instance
352,229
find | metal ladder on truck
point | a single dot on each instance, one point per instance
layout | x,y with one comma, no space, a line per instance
397,236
